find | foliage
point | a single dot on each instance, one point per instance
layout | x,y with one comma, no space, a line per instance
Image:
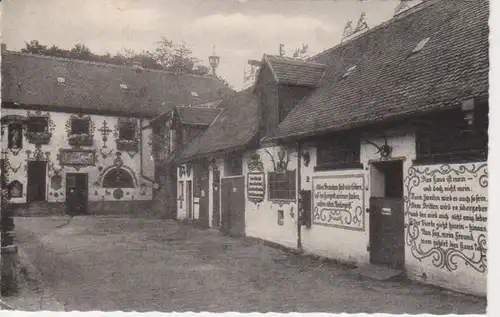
168,56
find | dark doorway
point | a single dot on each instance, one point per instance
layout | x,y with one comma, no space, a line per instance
202,185
77,193
216,200
37,174
189,199
387,214
233,206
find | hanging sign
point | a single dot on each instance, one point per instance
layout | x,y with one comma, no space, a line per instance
256,186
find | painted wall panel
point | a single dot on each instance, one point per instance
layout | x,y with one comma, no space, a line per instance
107,157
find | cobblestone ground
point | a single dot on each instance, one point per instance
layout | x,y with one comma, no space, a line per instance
144,265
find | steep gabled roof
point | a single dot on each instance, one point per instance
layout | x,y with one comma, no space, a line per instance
389,81
58,82
232,129
197,115
295,72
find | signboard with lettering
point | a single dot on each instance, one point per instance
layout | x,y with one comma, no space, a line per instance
256,186
77,157
447,209
338,201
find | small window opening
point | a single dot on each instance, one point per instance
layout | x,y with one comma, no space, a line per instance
15,139
37,125
420,45
61,80
127,131
80,126
349,71
123,86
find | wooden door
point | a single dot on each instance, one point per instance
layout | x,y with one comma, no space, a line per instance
216,200
233,206
387,217
387,232
77,193
37,174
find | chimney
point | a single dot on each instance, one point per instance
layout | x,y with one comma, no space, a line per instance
3,48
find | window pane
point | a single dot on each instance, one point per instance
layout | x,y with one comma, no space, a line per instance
80,126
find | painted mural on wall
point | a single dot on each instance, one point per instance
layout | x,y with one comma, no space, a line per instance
338,201
447,210
50,137
256,180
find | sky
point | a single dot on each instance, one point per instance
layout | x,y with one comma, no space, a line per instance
239,29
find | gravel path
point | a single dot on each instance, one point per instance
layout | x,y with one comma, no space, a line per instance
159,265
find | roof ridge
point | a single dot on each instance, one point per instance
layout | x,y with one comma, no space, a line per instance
297,61
64,59
197,107
405,14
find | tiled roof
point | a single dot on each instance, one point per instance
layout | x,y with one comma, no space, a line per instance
197,115
234,127
209,104
388,81
295,72
33,80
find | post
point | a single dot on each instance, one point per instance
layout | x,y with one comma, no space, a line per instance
298,193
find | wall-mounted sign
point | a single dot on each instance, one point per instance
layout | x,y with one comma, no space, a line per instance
256,186
78,157
338,201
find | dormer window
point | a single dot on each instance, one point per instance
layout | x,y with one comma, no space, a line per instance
420,45
349,71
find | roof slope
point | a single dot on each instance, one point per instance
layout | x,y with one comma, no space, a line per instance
295,72
32,80
388,82
234,127
197,115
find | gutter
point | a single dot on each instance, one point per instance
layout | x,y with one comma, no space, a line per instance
141,153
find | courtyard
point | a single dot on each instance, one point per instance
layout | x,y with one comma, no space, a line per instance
131,264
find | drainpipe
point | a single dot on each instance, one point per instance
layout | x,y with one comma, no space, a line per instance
299,215
141,154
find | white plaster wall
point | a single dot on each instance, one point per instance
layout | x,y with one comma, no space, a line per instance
340,243
60,141
261,220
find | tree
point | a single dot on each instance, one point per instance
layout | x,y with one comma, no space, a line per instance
167,56
34,47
